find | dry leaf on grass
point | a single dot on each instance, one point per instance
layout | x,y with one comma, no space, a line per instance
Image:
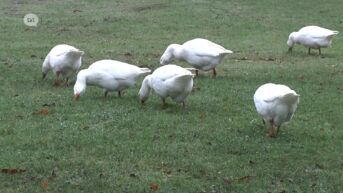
42,111
44,184
154,186
202,116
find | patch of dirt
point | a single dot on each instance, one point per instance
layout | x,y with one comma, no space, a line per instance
154,6
111,19
12,170
237,180
254,59
152,55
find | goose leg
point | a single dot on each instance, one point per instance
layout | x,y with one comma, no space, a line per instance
57,83
196,73
214,73
273,130
277,130
105,93
164,103
320,53
309,51
119,93
183,104
66,82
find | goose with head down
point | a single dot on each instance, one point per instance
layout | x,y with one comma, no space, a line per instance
63,60
202,54
276,104
311,37
168,81
110,75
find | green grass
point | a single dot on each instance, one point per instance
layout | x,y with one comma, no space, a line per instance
216,144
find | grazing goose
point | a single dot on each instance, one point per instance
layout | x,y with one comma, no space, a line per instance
276,104
62,59
312,37
110,75
168,81
202,54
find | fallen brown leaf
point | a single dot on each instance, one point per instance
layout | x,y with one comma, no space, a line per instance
44,184
154,186
202,116
42,111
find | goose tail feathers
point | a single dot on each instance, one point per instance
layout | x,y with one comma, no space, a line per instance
145,71
181,79
290,98
228,52
72,53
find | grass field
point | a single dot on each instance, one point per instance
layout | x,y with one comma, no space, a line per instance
49,143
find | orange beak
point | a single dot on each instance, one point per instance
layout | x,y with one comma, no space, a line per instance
76,97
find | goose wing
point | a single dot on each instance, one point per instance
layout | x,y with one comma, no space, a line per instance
317,32
117,70
203,47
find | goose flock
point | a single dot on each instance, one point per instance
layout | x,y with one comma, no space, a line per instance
275,103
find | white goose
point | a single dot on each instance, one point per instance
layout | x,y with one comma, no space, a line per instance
168,81
276,104
311,37
110,75
62,59
202,54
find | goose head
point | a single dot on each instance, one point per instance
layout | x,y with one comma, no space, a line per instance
144,91
172,51
45,69
291,41
80,84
